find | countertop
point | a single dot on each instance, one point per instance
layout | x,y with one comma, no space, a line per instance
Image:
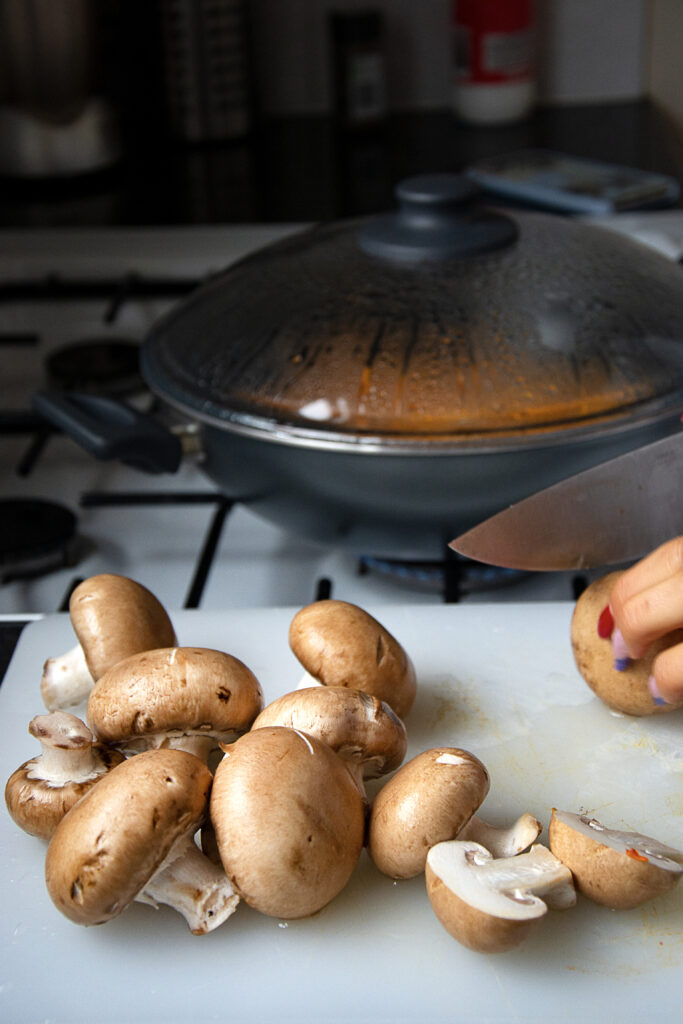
303,168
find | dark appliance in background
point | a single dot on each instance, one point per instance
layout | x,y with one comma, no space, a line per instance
54,120
81,81
177,69
206,68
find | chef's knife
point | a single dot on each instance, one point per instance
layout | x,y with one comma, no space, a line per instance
614,512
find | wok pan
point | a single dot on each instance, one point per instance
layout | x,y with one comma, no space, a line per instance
383,384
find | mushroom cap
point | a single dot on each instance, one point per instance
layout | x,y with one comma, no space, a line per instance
111,842
358,727
617,869
36,799
426,802
625,691
488,904
340,644
174,690
114,617
288,819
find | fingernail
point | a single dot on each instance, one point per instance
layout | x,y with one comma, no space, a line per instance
621,656
605,623
654,692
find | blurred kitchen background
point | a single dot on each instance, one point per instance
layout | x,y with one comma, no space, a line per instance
234,111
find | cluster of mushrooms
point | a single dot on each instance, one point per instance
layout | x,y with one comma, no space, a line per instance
183,789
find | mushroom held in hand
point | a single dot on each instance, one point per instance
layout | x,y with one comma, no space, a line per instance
131,838
340,644
112,617
490,904
427,801
368,736
191,698
620,870
40,792
289,821
621,685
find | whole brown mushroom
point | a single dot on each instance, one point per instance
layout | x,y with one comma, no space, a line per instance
289,821
40,792
626,690
191,698
131,838
340,644
429,800
364,731
113,617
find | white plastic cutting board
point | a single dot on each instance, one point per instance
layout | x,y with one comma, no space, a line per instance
496,679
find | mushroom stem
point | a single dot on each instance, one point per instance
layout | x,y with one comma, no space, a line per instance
355,770
503,842
189,882
67,750
534,874
202,746
66,680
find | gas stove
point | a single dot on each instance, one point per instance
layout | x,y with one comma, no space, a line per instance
74,306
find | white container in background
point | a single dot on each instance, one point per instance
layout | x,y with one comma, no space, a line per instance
493,57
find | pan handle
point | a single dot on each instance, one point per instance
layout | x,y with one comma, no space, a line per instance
110,429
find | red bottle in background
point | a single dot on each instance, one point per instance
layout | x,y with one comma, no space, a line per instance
493,46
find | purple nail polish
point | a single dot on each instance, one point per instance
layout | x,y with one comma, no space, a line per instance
654,691
621,656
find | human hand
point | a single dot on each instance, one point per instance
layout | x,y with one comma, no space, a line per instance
646,604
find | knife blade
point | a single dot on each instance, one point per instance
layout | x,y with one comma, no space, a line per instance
617,511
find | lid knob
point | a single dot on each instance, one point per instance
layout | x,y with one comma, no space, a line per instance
437,219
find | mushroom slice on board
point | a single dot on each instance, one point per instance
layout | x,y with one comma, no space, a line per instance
426,802
131,838
364,731
503,842
40,792
617,869
340,644
289,821
491,904
191,698
112,617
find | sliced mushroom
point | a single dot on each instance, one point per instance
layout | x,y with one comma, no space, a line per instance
340,644
503,842
191,698
427,801
364,731
490,904
113,617
130,838
617,869
40,792
289,821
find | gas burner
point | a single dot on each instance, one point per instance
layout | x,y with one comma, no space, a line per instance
36,537
105,366
453,576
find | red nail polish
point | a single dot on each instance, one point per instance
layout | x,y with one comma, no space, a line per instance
605,623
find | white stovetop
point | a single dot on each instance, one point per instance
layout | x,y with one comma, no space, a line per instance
256,564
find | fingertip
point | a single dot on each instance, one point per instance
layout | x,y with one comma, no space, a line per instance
655,693
622,658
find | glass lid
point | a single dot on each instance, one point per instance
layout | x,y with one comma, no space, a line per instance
545,324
